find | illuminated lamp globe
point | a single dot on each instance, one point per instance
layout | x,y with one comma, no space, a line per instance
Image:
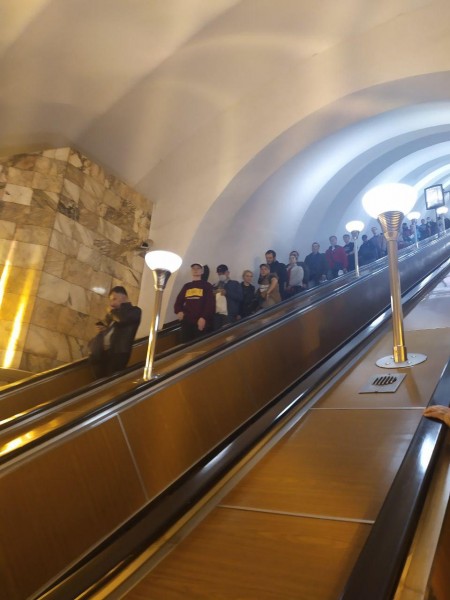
164,260
414,215
354,226
389,197
442,210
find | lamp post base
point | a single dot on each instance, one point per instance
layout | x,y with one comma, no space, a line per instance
388,362
143,379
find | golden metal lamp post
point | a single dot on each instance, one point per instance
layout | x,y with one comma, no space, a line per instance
355,228
162,264
389,203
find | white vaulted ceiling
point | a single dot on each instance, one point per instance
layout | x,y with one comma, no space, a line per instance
248,123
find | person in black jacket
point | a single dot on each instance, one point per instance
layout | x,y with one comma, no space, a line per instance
317,265
112,345
278,268
228,295
367,252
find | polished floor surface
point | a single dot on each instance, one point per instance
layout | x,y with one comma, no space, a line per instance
294,524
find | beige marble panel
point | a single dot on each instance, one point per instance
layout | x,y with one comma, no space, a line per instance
89,256
13,361
42,215
94,187
101,283
73,323
97,308
46,313
22,161
50,183
7,230
21,254
51,167
61,292
21,281
111,199
64,225
64,244
16,306
136,261
89,219
33,234
75,175
18,194
75,159
6,334
19,177
6,250
69,208
77,347
54,262
71,190
45,343
130,244
58,153
84,235
63,319
129,277
38,364
109,230
46,199
14,212
125,191
78,273
113,268
89,203
96,172
141,223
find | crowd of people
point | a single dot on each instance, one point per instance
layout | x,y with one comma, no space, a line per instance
202,307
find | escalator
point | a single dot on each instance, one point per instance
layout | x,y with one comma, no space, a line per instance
127,451
40,392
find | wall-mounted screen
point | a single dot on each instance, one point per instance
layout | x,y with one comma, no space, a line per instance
434,196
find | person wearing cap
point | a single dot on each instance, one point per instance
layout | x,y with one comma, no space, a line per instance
228,296
195,305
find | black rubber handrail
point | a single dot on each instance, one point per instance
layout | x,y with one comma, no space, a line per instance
380,563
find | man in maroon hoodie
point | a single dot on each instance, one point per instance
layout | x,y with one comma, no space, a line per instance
195,306
336,258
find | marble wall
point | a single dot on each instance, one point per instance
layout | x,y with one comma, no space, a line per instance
68,233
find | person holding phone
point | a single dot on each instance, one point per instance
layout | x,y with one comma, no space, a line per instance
110,349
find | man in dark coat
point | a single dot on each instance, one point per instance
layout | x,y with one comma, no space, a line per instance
317,265
278,268
114,341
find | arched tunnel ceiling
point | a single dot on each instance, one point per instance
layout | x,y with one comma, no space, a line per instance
243,121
